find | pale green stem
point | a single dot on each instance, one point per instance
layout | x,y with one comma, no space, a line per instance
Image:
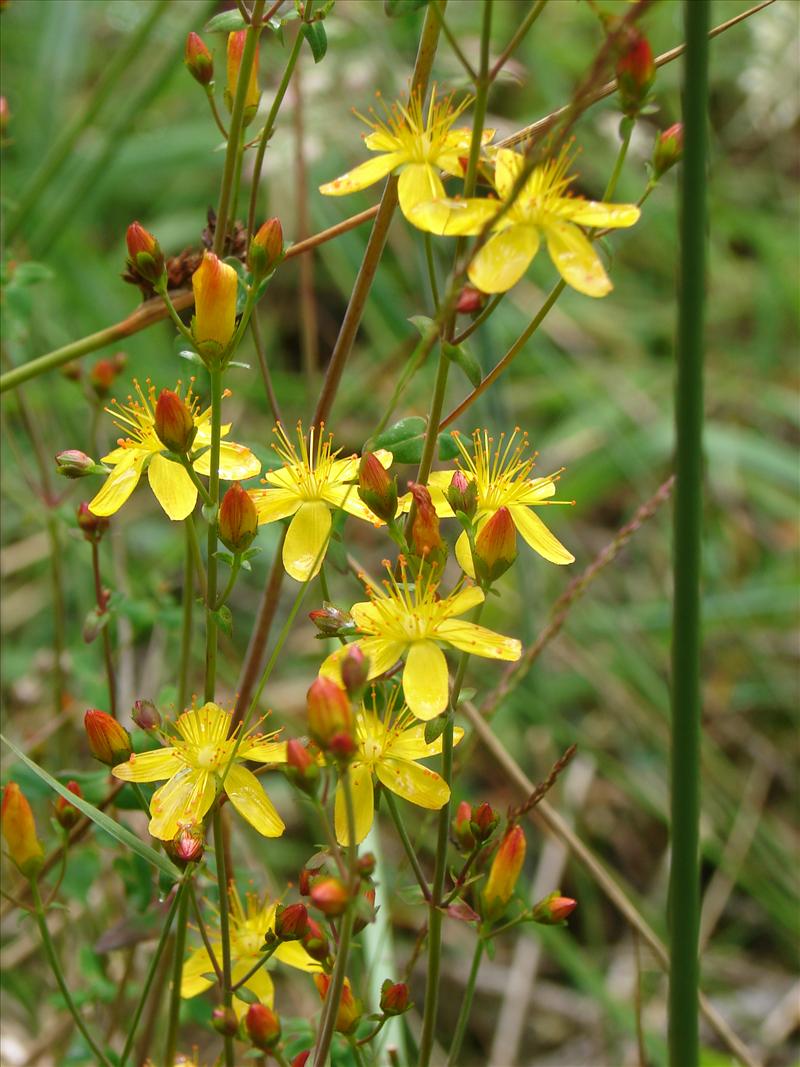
177,976
466,1006
409,848
215,110
213,487
224,925
203,493
256,967
188,609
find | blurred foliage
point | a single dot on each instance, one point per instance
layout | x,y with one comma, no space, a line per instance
593,390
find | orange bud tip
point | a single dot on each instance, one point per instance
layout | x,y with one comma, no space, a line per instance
394,997
504,872
291,923
67,814
329,714
330,896
668,149
266,248
238,519
109,742
263,1026
376,488
145,253
553,909
198,60
636,72
19,831
495,547
174,423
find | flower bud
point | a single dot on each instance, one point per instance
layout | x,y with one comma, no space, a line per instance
329,895
102,377
483,822
354,666
470,300
668,149
224,1020
394,997
145,715
187,846
72,371
553,909
236,42
215,286
93,526
174,423
329,712
146,257
315,942
366,864
332,621
460,829
19,831
72,463
301,767
198,60
108,741
495,547
301,1059
238,519
291,923
349,1013
462,494
67,814
263,1026
636,72
504,872
376,488
364,908
266,248
426,540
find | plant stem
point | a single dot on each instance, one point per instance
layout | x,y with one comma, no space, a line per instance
101,608
409,848
58,974
515,41
257,967
197,558
478,320
452,41
201,926
628,126
59,615
194,477
431,270
684,880
177,975
187,597
236,126
237,564
224,925
183,330
213,490
212,103
151,973
258,341
466,1006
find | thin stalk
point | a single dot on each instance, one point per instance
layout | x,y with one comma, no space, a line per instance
236,126
478,320
212,103
213,489
307,304
101,607
197,558
201,926
58,974
684,880
466,1006
177,975
237,565
518,37
187,596
409,848
59,613
627,131
171,310
332,842
272,399
203,493
151,973
224,925
451,40
431,270
237,178
256,967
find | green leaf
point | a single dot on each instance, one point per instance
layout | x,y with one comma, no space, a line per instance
114,829
434,728
225,22
225,557
245,994
423,323
459,355
413,426
314,33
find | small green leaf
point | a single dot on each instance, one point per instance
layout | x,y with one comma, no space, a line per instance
225,557
314,33
413,426
448,449
459,355
224,620
226,22
434,728
247,995
423,323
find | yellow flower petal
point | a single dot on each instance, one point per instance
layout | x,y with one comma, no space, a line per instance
363,804
453,218
411,743
119,485
346,497
413,782
505,257
206,725
382,141
469,596
248,797
260,983
425,680
595,213
478,640
236,463
194,967
149,766
185,798
575,259
273,504
307,540
264,751
293,954
285,478
381,652
419,182
538,489
363,175
538,536
172,487
464,554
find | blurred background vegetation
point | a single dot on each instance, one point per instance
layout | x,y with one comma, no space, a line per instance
594,392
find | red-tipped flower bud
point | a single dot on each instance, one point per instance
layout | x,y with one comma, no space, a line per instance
72,463
426,539
263,1026
332,621
668,149
19,831
238,519
291,922
67,814
462,494
224,1021
553,909
377,488
329,712
366,864
187,846
108,741
174,423
145,253
266,248
301,1059
504,872
349,1013
92,526
355,670
394,997
330,896
198,60
365,908
460,829
470,300
236,43
483,821
315,942
636,72
301,767
102,377
145,714
215,286
495,547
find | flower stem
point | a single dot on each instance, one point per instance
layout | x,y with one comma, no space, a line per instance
224,926
478,320
58,974
161,289
212,103
403,834
177,974
513,44
627,130
237,564
431,270
101,607
213,489
201,926
194,477
466,1006
686,634
197,559
188,609
257,967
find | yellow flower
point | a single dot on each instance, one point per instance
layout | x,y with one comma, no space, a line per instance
416,145
311,483
388,748
502,479
215,286
543,207
194,764
409,620
248,928
169,481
